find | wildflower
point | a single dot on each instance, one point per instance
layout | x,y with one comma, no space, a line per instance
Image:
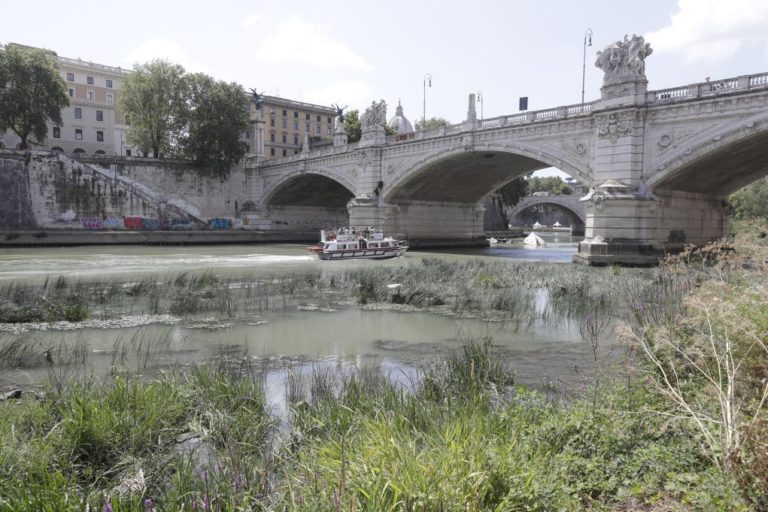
149,505
107,507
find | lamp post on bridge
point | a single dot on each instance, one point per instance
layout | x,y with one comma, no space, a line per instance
427,80
480,100
587,36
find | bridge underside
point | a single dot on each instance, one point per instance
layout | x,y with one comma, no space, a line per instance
308,203
722,172
465,178
311,190
441,204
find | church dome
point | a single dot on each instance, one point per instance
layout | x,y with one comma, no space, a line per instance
399,122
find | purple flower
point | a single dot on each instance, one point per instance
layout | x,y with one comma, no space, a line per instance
149,503
107,507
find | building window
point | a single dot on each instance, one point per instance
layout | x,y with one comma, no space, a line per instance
127,152
285,152
295,151
78,113
247,134
110,99
285,112
71,92
285,124
295,125
78,134
295,139
272,122
319,117
91,95
319,129
272,151
100,115
306,127
272,137
89,80
285,138
330,120
295,115
71,77
330,131
56,132
109,84
99,136
307,117
271,110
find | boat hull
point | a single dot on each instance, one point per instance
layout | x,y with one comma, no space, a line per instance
376,254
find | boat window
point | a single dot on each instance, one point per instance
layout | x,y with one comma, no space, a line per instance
373,245
342,246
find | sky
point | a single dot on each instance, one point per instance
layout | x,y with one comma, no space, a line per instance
353,53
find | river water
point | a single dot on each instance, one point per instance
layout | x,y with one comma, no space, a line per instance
398,342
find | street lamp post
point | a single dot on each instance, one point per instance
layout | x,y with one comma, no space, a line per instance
427,81
587,36
480,100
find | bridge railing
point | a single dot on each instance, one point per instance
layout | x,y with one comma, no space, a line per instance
496,122
709,88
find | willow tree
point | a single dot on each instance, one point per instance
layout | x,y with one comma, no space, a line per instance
32,92
152,99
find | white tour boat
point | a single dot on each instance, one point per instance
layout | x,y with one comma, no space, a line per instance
349,243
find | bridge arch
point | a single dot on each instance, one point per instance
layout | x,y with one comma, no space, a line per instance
309,187
718,161
457,174
568,204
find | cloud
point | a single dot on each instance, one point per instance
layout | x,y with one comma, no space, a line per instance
713,30
298,41
351,92
159,48
251,21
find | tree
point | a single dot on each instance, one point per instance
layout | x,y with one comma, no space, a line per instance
32,92
213,122
152,98
352,126
752,200
514,191
431,124
552,184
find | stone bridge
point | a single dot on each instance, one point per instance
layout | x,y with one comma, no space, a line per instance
659,165
571,205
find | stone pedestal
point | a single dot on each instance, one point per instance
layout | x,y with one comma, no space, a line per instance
339,136
373,136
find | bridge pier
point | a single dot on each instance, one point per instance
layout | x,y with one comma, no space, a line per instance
423,223
639,229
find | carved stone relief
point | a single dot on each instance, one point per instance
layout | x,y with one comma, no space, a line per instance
614,126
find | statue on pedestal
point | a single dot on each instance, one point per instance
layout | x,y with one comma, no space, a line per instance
374,116
340,112
624,61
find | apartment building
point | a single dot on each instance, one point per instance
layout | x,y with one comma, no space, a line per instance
92,124
287,121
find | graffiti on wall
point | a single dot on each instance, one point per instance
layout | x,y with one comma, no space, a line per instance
220,223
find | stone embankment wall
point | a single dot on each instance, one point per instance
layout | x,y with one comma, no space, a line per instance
15,204
40,190
179,182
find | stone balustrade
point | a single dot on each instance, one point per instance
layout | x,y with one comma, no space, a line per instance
709,88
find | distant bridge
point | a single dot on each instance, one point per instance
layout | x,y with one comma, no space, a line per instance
571,205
